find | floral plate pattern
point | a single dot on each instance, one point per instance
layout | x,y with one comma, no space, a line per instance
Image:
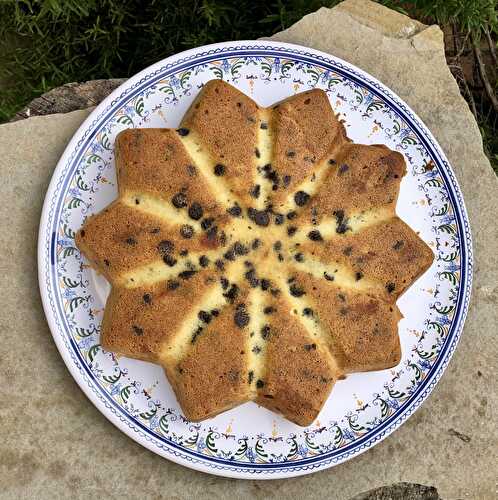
250,441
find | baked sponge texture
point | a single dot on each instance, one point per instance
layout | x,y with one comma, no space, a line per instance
255,253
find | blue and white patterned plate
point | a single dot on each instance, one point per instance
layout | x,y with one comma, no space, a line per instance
249,441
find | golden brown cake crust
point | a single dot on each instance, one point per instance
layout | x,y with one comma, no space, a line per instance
307,132
298,389
254,253
214,375
145,160
227,121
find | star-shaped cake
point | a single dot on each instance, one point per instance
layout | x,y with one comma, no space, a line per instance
254,253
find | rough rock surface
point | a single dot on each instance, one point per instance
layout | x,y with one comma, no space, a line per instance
70,97
400,491
55,443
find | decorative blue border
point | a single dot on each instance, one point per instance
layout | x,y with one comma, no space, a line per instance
49,283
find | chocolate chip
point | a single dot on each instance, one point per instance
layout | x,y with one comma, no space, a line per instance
241,316
279,219
280,257
220,264
215,312
179,200
224,283
137,201
307,101
341,297
277,246
219,170
390,287
291,230
184,252
235,211
358,275
232,293
206,223
251,277
275,292
130,241
309,347
332,161
229,254
172,285
265,332
191,170
147,298
286,180
269,310
260,384
339,216
256,349
265,284
183,131
197,332
250,377
263,126
186,231
299,257
398,245
261,218
271,175
82,233
315,235
165,246
203,261
137,330
328,277
296,290
341,228
255,243
169,260
186,275
301,198
291,215
290,154
257,153
255,191
155,230
307,311
240,249
107,263
195,211
204,316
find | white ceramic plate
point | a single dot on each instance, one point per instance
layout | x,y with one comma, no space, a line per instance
249,441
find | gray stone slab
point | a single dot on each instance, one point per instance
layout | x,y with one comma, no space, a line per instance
55,444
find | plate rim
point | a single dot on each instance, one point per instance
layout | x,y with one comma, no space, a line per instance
204,463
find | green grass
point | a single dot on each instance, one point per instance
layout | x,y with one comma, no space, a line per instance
46,43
